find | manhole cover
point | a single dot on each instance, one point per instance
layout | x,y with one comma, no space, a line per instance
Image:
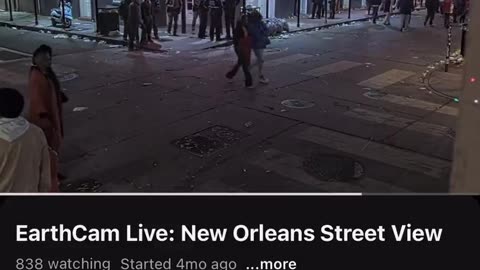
209,140
374,94
333,167
297,104
68,77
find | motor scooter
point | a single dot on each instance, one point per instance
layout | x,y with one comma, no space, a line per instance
57,17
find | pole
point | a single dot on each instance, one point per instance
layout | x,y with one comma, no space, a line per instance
267,7
298,13
35,5
184,18
349,9
449,46
244,11
464,39
63,13
465,177
10,9
325,9
96,16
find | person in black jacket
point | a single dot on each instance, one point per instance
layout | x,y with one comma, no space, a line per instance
203,14
216,12
147,18
406,7
317,9
230,6
123,11
432,7
375,7
332,9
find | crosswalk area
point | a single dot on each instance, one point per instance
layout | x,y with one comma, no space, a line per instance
425,122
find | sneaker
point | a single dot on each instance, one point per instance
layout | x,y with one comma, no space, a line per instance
264,80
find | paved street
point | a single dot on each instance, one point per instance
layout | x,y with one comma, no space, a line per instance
346,111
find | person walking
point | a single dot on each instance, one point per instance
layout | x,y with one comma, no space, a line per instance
375,7
447,9
317,9
156,11
432,7
242,43
216,12
173,10
332,9
458,10
24,152
147,18
134,22
230,6
405,7
203,14
46,109
388,9
369,7
123,12
258,30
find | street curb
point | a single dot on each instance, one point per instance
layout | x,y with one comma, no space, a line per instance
69,34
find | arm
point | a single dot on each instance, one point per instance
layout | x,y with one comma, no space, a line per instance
45,183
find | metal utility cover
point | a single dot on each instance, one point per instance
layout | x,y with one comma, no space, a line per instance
210,140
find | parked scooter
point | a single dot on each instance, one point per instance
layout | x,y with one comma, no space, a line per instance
56,15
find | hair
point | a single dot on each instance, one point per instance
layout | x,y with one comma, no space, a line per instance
11,103
43,49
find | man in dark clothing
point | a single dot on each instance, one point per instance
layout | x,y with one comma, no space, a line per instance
173,9
230,7
203,14
332,9
134,22
459,9
216,10
123,10
317,8
156,9
375,7
147,19
405,7
432,7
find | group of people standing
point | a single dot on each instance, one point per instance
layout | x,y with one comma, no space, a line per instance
214,11
140,15
29,146
319,9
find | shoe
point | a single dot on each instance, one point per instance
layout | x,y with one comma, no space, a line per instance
157,37
264,80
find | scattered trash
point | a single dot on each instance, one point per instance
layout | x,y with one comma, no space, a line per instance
86,40
422,88
154,164
177,52
41,31
14,28
147,84
283,110
60,36
80,109
248,124
102,42
74,37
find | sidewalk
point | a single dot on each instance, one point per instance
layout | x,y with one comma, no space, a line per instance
86,29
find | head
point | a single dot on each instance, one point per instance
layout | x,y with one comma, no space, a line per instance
42,57
255,16
11,103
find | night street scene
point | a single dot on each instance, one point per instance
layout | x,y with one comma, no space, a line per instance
238,96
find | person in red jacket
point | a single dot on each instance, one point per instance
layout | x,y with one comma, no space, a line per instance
447,9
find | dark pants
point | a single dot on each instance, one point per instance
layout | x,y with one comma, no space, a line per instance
241,62
332,10
317,10
446,20
132,36
147,31
172,20
430,16
375,13
229,21
202,31
196,14
155,23
215,24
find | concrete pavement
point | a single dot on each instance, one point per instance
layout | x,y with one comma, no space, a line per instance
346,110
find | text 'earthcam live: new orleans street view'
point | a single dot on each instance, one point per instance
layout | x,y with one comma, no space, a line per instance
238,95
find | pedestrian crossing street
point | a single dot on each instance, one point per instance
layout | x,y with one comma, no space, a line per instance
435,170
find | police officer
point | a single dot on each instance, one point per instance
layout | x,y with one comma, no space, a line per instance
147,19
230,7
156,9
203,14
216,12
332,9
134,22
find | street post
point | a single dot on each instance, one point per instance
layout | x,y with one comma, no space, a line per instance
35,6
464,39
267,7
449,46
10,9
184,17
298,13
63,13
325,10
465,177
349,9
